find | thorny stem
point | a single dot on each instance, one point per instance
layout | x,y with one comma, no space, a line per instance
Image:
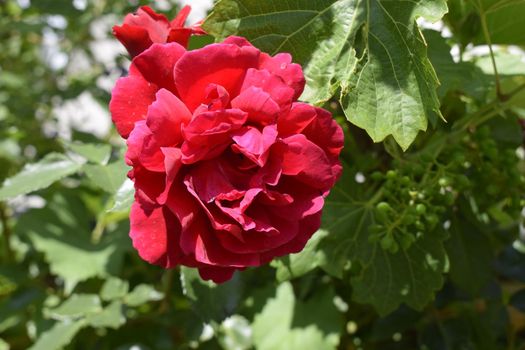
6,232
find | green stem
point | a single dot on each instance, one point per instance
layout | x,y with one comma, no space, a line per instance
486,34
6,233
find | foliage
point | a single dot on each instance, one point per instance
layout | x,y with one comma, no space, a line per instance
420,245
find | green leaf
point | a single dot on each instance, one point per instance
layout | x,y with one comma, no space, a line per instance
274,327
62,232
114,288
108,177
210,301
142,294
235,333
51,168
110,317
470,254
58,336
296,265
462,76
4,345
77,305
95,153
386,279
371,50
124,197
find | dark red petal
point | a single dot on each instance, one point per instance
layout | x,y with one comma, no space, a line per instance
165,118
154,233
180,36
135,39
294,122
308,162
325,132
129,103
220,64
172,164
217,274
156,64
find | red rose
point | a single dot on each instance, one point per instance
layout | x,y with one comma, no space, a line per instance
146,27
230,170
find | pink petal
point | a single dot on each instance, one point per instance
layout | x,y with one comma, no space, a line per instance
281,93
282,66
254,144
221,64
237,40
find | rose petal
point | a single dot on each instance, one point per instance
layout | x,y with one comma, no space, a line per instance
221,64
294,122
308,162
254,144
135,39
281,93
282,66
180,19
259,105
156,64
154,234
143,150
172,163
217,274
129,103
165,118
208,134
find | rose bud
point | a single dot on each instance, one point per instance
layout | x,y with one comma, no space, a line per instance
142,29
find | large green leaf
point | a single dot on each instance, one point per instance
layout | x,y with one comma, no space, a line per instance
61,231
371,50
465,77
470,254
109,177
504,20
284,323
296,265
77,305
211,301
58,336
39,175
386,279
